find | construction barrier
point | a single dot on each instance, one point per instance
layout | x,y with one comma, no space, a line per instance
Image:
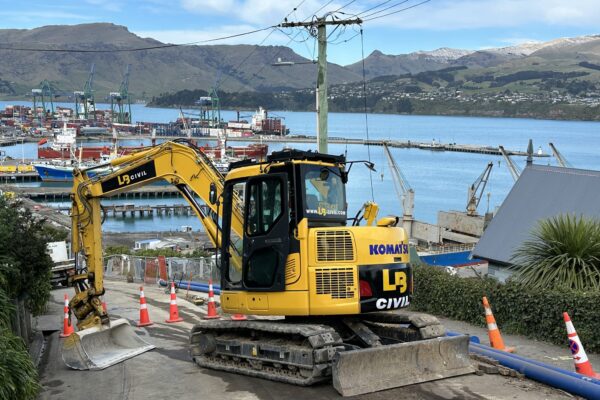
151,270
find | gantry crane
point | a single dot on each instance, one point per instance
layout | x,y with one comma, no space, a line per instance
120,102
85,97
559,157
403,189
476,190
43,94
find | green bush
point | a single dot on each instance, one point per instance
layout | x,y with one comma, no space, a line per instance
23,242
24,272
18,375
518,309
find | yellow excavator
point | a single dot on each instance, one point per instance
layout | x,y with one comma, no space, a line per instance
333,286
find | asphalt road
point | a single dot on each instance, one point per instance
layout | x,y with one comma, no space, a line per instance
168,372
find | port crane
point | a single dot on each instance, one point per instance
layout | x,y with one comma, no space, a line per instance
514,169
403,189
85,98
286,248
559,157
476,190
120,102
45,95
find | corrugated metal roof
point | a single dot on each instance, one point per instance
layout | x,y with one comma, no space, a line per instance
539,193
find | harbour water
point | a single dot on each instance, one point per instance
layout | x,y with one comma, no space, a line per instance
440,179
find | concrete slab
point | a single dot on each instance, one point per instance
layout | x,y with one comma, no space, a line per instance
168,372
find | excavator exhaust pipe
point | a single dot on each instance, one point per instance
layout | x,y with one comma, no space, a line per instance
100,347
384,367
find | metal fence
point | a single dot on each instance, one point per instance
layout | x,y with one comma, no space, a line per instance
150,270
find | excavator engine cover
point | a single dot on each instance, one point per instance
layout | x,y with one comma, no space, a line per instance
100,347
384,367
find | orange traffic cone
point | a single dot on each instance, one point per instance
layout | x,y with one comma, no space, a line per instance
238,317
67,327
173,311
493,332
144,317
104,304
212,308
582,363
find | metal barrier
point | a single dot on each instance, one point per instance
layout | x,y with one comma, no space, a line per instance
150,270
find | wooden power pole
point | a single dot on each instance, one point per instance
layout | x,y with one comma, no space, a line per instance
320,25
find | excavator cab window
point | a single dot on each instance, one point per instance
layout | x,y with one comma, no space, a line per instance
324,194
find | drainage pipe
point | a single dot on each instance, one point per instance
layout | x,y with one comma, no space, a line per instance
580,385
475,339
195,286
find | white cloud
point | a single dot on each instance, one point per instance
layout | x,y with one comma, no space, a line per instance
475,14
199,35
264,12
114,6
37,15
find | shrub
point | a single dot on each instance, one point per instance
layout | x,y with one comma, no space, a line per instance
518,308
563,251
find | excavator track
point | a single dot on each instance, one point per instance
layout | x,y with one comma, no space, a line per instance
305,351
300,354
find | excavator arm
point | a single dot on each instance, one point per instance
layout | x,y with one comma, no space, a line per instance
179,163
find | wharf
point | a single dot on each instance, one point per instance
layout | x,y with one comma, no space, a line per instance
19,177
10,141
407,144
64,193
115,210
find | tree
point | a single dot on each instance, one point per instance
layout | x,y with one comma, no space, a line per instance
23,240
563,252
404,105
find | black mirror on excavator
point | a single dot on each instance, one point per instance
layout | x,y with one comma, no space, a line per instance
212,197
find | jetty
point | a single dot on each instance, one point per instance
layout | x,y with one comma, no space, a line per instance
124,210
45,194
404,144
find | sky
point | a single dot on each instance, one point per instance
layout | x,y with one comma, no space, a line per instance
462,24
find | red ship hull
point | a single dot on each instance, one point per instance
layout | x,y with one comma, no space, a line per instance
257,151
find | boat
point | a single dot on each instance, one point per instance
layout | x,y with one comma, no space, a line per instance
62,170
254,150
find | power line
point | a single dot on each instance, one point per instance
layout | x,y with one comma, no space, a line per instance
396,12
163,46
345,5
385,9
374,7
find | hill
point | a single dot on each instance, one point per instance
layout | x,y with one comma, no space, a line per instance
237,67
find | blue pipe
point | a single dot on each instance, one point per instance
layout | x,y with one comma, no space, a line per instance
195,286
472,339
580,385
475,339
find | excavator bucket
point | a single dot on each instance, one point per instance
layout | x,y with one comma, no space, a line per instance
100,347
384,367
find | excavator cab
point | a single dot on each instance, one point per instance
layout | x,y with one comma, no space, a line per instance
294,186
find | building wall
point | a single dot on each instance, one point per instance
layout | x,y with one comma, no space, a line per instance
499,272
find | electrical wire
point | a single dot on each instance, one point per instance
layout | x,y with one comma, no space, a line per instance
385,9
396,12
345,5
362,49
374,7
158,47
